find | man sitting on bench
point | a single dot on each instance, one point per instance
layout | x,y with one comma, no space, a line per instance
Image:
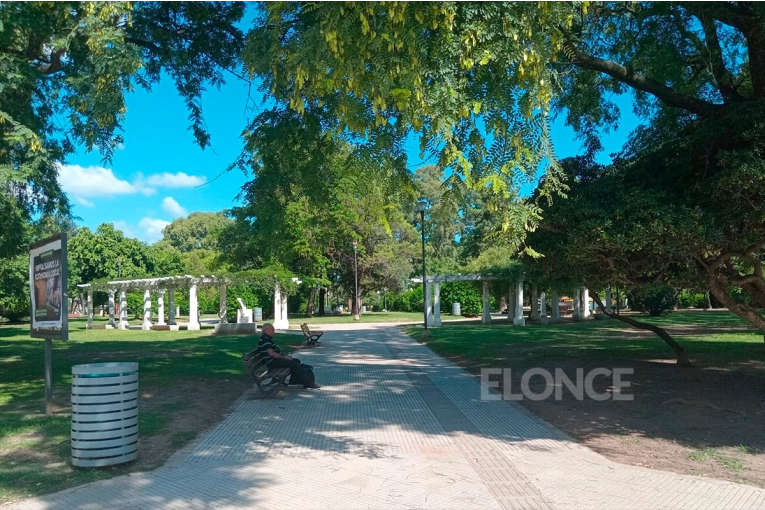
274,358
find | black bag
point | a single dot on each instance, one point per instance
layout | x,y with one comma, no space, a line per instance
307,376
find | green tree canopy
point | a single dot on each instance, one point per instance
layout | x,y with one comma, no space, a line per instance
199,230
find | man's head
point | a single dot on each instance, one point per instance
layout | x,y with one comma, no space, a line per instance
268,329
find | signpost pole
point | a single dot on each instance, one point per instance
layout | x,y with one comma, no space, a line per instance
49,299
48,376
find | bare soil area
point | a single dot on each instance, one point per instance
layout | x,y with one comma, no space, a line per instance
697,421
705,421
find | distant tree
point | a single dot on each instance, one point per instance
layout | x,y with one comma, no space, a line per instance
197,231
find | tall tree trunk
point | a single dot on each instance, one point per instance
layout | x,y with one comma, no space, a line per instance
322,301
682,355
311,299
709,300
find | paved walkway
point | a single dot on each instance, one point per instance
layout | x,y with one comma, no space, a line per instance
394,426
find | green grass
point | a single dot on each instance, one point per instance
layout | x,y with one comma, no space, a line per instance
164,357
715,455
366,318
491,345
181,439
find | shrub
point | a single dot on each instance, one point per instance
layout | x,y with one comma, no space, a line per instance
688,299
654,299
15,308
468,294
247,295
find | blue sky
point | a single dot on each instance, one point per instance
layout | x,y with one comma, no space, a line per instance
160,173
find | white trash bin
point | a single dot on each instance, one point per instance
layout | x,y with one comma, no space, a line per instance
104,414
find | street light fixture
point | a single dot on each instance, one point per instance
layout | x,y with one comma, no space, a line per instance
356,283
421,206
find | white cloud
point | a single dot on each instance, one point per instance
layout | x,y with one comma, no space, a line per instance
83,202
177,180
125,228
173,208
96,181
151,229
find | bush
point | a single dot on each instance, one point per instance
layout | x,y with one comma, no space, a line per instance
688,299
654,299
467,294
15,308
409,301
232,305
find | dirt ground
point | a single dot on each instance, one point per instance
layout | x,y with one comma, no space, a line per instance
705,421
200,408
691,421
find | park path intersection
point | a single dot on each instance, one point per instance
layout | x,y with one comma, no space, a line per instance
394,426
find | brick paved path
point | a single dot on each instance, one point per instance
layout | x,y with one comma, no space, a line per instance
394,426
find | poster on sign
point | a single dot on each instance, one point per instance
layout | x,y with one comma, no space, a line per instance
47,288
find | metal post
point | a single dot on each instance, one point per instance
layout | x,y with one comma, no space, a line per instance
48,376
356,284
424,304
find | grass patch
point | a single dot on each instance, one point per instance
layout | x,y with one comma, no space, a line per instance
715,455
493,345
181,439
367,318
35,449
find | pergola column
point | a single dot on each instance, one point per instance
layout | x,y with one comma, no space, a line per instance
543,308
90,307
555,305
534,315
193,309
171,304
519,320
123,311
111,308
511,302
281,321
429,303
486,316
222,312
609,300
146,310
577,313
437,304
586,303
161,307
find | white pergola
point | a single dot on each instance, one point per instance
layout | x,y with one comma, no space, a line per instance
515,300
170,284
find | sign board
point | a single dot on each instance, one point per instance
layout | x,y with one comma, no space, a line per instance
48,288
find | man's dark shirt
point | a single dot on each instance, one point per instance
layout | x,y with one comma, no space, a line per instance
265,343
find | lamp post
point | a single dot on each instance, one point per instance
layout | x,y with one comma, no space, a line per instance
421,205
119,267
356,283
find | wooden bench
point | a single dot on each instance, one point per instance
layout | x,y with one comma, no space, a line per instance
310,338
267,381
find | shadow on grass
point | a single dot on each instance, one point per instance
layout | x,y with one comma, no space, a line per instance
357,369
717,404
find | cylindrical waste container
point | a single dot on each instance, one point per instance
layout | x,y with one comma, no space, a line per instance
104,414
364,309
456,309
257,314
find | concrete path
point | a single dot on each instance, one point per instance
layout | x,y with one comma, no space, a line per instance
394,426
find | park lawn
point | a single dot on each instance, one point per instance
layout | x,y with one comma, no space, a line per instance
181,372
705,421
484,345
367,317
